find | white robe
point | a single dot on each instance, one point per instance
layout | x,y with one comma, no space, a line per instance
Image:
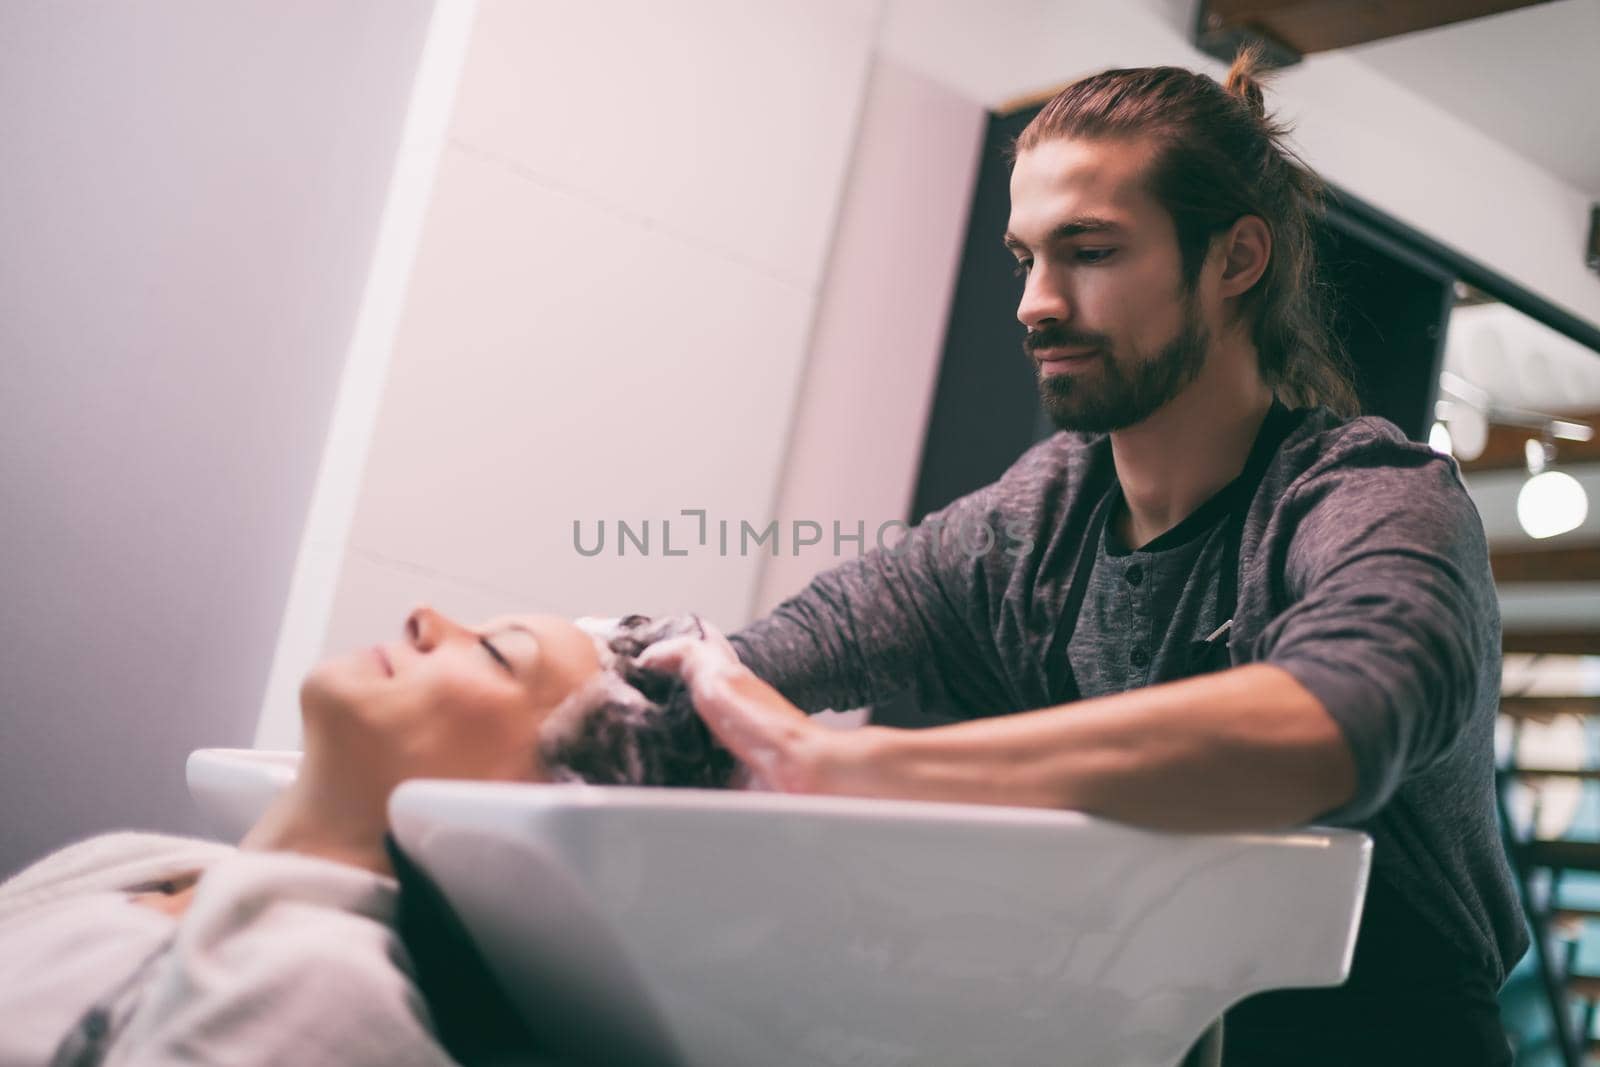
279,959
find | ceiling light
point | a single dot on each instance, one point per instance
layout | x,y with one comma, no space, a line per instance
1551,503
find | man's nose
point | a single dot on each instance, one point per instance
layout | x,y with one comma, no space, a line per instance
1043,302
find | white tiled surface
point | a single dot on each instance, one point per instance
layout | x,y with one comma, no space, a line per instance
998,50
727,122
558,363
880,325
609,312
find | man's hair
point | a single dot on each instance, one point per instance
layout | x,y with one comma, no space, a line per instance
630,726
1219,158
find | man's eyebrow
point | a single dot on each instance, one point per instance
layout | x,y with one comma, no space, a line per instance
1073,228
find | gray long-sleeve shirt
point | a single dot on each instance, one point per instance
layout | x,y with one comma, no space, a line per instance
1363,572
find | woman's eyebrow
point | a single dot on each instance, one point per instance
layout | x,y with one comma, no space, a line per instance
500,626
503,627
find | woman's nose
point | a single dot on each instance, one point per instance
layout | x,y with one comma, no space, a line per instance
426,628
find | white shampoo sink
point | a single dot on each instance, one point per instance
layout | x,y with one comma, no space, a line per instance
724,929
233,786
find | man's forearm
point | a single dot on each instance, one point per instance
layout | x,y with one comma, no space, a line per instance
1247,748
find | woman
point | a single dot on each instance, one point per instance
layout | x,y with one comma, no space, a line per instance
139,948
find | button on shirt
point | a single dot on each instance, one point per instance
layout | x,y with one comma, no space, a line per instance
1145,608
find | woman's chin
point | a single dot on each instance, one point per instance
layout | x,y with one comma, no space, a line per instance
332,688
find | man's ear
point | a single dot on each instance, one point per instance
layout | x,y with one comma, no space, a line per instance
1246,248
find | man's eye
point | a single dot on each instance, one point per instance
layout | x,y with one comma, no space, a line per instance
1022,268
1094,255
495,652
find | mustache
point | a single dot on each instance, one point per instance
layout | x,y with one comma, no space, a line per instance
1059,337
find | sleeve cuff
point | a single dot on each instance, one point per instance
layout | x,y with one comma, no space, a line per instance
1349,701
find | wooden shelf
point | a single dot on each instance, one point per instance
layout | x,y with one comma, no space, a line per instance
1310,26
1582,774
1574,642
1572,563
1543,709
1567,855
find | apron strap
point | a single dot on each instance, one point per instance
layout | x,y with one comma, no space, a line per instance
1061,686
1275,429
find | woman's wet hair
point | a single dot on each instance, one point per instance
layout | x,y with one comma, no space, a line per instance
630,726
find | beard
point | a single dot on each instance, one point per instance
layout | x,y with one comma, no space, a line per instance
1115,395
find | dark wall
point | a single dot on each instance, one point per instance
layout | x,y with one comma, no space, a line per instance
1389,311
985,406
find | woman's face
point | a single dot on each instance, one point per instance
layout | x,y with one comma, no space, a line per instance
446,700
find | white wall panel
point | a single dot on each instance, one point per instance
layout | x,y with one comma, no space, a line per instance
869,380
726,122
558,364
609,313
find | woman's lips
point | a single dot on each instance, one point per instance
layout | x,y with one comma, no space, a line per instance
383,660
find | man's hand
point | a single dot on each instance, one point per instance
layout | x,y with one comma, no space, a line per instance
774,740
1242,749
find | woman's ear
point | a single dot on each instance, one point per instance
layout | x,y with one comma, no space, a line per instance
1247,248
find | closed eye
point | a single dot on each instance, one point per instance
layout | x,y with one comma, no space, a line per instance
498,658
1022,268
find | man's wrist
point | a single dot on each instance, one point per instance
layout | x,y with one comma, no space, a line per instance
839,762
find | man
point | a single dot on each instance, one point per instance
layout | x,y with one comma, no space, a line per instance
1219,602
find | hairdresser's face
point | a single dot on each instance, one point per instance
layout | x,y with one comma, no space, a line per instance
446,700
1112,331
